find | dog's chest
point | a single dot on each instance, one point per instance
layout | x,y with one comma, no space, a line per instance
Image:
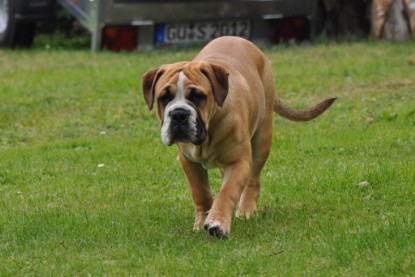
199,154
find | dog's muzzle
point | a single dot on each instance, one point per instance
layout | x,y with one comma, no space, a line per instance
183,125
180,116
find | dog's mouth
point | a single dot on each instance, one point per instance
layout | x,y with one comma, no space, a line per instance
183,126
183,133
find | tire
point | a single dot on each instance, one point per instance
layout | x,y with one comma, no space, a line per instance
12,32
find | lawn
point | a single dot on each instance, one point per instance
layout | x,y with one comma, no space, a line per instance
87,187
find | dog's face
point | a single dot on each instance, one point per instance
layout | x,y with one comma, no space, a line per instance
186,95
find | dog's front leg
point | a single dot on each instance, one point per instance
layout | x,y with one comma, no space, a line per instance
197,178
236,175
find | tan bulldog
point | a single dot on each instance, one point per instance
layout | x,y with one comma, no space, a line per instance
218,110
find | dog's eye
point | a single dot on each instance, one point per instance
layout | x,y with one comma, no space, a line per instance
196,97
165,98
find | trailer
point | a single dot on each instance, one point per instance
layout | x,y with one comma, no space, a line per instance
150,24
18,20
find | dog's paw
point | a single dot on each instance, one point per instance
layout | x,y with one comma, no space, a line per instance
197,227
245,213
200,220
217,228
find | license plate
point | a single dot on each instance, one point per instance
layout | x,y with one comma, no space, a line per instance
187,33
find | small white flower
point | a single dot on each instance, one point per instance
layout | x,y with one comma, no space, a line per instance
100,165
364,184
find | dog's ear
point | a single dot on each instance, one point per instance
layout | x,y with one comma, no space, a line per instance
149,81
218,78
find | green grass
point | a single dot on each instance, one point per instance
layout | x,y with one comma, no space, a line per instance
64,114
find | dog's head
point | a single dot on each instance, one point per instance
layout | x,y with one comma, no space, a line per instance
186,95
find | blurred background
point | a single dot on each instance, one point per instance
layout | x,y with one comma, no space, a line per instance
126,25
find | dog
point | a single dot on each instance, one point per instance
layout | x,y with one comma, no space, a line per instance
218,109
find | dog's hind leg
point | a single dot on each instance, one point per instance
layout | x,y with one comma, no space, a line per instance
261,147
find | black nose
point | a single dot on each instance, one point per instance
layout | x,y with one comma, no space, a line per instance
180,115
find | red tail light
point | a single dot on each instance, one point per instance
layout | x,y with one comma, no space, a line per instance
286,29
120,38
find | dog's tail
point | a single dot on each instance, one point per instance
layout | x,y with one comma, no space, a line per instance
301,115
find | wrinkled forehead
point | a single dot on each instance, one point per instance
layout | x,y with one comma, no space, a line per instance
170,76
184,74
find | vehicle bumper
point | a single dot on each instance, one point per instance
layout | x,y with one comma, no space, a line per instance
32,10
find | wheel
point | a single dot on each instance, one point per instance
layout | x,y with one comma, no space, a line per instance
12,32
7,23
